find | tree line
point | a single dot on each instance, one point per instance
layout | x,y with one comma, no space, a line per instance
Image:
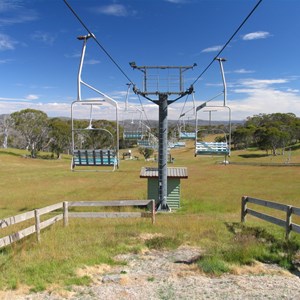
270,132
33,130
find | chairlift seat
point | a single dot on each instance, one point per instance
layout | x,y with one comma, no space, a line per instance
187,135
144,144
132,135
97,157
211,148
179,145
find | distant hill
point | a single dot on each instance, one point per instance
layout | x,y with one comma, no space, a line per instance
154,123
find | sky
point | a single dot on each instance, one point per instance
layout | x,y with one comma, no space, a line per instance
40,54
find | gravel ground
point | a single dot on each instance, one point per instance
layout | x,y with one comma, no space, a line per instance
173,275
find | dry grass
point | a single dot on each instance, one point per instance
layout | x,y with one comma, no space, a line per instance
210,197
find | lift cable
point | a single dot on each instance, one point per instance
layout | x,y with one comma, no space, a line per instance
144,111
182,113
233,35
97,42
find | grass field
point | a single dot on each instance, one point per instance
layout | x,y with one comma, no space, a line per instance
209,215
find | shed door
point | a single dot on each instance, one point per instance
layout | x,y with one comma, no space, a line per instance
173,193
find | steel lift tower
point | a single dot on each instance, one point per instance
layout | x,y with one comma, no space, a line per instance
161,88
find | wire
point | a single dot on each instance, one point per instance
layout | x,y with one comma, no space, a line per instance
181,113
233,35
143,109
97,42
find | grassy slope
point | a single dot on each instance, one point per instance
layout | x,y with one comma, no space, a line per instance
210,198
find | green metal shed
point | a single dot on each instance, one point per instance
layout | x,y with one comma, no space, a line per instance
173,192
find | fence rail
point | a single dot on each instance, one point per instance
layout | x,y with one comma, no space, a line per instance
64,215
288,209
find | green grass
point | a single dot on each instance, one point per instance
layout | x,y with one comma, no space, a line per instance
210,204
213,265
249,244
163,242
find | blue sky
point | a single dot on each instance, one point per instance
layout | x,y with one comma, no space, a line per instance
39,52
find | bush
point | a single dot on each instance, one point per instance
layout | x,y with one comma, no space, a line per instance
146,152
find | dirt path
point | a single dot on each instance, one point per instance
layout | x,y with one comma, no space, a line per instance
173,275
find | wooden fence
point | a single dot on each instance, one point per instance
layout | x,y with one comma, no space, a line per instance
64,214
288,209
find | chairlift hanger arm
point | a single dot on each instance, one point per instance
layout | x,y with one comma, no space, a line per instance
80,81
106,98
204,104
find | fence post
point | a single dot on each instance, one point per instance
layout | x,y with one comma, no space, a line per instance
65,213
288,223
37,225
153,211
244,209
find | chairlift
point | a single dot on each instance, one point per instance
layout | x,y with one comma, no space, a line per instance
87,148
94,145
132,124
208,147
184,133
132,120
203,146
149,140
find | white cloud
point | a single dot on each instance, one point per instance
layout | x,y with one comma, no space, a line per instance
43,37
6,43
265,101
117,10
176,1
12,99
246,97
15,12
52,109
29,97
214,84
262,83
7,5
92,62
264,96
5,61
32,97
243,71
212,49
74,55
256,35
293,90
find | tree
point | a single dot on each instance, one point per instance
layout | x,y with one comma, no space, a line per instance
270,131
146,152
271,138
60,136
102,135
242,137
33,126
5,125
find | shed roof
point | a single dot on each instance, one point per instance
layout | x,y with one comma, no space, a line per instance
179,172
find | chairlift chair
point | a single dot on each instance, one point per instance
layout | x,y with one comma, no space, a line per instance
212,148
97,156
88,142
133,129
